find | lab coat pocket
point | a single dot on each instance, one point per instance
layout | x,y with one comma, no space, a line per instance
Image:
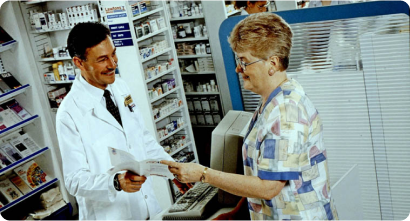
118,210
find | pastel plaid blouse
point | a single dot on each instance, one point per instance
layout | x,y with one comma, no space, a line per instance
285,142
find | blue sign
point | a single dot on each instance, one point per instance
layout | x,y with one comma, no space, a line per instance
122,34
123,42
117,16
119,27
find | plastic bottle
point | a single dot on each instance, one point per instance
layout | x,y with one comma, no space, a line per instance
200,9
174,9
197,49
203,49
208,49
185,10
205,32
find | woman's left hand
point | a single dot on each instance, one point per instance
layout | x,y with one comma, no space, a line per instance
185,172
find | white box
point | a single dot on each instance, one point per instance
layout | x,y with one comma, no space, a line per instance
154,26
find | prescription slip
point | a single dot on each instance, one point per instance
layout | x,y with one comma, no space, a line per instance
122,160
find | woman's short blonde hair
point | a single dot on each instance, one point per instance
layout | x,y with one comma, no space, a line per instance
263,35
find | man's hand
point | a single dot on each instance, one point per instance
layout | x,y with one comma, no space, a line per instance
183,187
226,216
240,212
131,182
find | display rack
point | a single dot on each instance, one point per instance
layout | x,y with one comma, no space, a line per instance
35,44
197,76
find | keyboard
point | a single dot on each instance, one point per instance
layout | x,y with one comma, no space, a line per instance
193,203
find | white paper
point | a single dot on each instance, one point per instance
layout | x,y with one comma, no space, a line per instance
122,160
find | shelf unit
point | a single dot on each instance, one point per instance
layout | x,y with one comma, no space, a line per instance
36,41
29,125
133,74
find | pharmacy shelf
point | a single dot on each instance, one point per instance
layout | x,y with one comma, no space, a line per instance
169,114
58,82
36,2
195,73
148,13
152,34
179,149
25,159
194,56
156,55
161,74
187,18
55,59
40,32
165,94
7,96
191,39
38,189
8,45
174,132
233,13
201,93
18,125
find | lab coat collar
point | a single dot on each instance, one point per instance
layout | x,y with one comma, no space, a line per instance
89,98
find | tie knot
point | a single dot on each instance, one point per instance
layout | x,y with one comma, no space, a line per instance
107,93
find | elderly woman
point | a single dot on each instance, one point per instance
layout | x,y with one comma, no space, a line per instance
285,164
250,7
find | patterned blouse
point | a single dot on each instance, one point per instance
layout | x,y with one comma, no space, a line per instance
285,142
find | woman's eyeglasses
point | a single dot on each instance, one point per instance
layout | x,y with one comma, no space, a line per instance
243,64
264,6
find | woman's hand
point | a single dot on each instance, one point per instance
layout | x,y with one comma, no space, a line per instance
131,182
185,172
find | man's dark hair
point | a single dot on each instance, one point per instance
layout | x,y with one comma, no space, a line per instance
85,35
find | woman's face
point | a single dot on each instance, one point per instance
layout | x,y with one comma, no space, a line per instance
255,76
259,6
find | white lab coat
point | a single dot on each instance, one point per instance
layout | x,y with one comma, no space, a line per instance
85,129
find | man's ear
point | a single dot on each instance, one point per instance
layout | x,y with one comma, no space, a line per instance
249,4
79,63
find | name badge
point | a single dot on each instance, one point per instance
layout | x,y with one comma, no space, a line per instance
127,100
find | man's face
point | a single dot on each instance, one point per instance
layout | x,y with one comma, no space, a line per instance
99,66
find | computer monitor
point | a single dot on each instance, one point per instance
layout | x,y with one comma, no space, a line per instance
226,148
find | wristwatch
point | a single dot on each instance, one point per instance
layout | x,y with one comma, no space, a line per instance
117,185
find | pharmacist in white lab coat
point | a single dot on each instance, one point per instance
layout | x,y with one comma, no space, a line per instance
90,120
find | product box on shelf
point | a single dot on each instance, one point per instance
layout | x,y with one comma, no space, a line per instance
20,184
17,109
32,174
8,118
9,191
10,80
4,160
10,151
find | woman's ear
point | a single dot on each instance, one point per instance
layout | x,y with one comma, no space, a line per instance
274,61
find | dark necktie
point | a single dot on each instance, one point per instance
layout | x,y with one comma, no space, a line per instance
111,106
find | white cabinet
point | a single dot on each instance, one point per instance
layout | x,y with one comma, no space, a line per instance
20,63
